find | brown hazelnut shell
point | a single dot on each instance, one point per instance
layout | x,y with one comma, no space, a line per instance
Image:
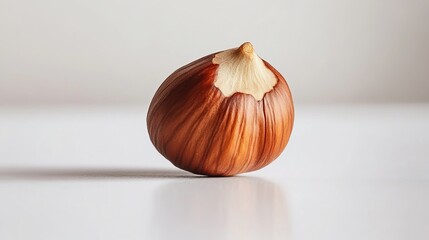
198,129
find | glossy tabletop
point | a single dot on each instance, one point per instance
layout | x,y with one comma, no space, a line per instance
349,172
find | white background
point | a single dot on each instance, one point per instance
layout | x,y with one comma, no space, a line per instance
76,161
107,51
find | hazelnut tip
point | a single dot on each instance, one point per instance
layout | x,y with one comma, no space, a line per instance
246,49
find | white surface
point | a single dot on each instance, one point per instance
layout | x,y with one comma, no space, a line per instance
349,172
114,51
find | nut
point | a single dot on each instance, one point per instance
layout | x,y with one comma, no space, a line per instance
227,113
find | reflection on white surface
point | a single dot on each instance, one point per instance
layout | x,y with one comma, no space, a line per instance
220,208
349,172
